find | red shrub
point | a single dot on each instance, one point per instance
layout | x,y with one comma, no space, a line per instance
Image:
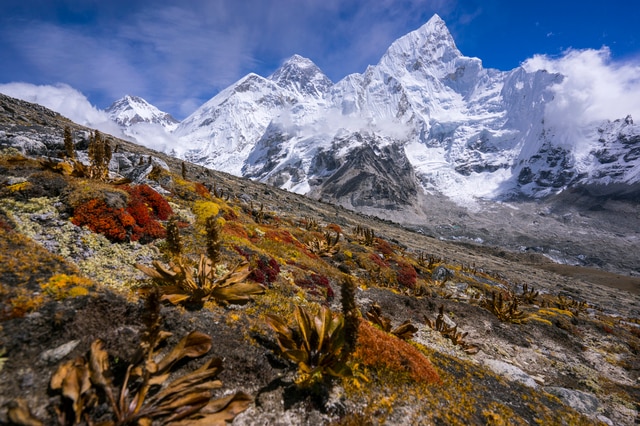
283,236
406,275
115,224
380,350
160,208
378,260
266,270
229,214
138,222
147,207
316,284
384,247
235,229
335,228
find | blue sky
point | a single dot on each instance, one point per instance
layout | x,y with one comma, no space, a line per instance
178,54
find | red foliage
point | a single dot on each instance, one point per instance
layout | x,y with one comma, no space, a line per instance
147,207
282,236
115,224
377,349
335,228
229,214
378,260
266,270
202,190
406,275
316,282
138,222
235,229
160,208
5,226
384,247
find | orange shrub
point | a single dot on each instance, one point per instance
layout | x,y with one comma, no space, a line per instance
380,350
140,220
201,190
115,224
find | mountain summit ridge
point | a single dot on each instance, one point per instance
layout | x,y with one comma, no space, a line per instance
462,130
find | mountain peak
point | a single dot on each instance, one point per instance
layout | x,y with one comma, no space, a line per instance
130,110
301,75
431,43
299,61
435,25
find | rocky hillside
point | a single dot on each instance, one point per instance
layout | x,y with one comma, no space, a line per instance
279,309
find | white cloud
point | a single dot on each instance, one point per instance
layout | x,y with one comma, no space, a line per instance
595,87
64,100
154,136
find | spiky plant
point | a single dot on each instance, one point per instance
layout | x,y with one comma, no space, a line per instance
99,152
212,229
327,246
527,296
181,283
451,332
144,397
351,315
174,241
404,331
315,343
364,235
573,306
504,310
69,147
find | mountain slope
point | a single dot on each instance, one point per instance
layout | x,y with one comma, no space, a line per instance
573,334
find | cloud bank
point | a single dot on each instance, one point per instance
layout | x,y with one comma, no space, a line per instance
65,100
75,106
595,88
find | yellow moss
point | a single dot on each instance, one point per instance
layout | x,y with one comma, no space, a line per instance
204,209
536,318
554,312
62,286
17,187
77,292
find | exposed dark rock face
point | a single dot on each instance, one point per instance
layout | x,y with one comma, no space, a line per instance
371,176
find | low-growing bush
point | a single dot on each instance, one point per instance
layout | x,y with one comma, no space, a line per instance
316,284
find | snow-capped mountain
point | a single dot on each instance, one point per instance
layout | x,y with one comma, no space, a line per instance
425,119
131,110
